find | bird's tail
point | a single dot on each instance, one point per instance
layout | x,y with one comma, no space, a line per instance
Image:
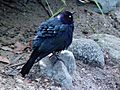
26,68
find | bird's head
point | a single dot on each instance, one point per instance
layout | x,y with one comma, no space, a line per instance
66,17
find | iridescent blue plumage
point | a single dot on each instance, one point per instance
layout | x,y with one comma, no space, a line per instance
52,36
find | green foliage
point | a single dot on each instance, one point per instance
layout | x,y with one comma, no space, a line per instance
58,11
96,2
62,7
49,7
64,2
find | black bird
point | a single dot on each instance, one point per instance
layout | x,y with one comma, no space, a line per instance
53,35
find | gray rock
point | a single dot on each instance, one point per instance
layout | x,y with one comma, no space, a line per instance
61,70
88,51
61,74
109,44
106,5
69,61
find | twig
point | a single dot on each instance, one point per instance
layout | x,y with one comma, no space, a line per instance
49,8
47,11
9,70
17,58
18,64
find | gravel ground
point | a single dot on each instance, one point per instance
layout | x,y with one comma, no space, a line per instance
17,26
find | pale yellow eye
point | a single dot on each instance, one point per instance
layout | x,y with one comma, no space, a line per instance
70,16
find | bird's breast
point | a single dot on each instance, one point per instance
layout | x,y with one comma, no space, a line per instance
67,37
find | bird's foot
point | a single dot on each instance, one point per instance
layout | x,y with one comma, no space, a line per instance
54,55
58,59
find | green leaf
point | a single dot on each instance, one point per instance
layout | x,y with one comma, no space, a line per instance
58,11
64,2
49,7
96,2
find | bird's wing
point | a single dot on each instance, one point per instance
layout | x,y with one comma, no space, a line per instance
59,41
47,30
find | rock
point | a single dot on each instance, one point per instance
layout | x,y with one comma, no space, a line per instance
88,51
61,74
109,44
106,5
69,61
61,70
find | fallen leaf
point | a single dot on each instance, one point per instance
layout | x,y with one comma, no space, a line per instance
4,60
19,47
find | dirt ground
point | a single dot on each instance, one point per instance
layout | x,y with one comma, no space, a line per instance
17,28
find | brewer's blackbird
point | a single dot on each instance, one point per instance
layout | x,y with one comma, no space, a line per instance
53,35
